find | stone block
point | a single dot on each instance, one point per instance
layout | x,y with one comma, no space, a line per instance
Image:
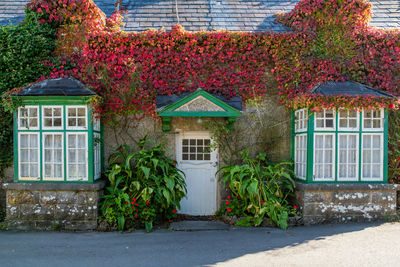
12,212
88,198
383,196
67,197
48,198
355,198
74,212
20,225
80,225
316,197
15,197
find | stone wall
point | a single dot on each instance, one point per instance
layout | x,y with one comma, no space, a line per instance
8,177
333,203
52,206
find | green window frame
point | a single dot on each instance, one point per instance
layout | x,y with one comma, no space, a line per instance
49,156
346,141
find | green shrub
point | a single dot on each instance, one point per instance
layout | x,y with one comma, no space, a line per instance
259,188
144,186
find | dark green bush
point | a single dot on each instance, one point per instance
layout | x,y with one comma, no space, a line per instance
23,49
143,186
260,188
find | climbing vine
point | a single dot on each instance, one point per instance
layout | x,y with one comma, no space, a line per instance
330,41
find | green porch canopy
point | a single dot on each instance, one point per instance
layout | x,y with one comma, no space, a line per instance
197,104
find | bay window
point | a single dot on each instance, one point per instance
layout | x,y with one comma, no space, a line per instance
345,145
57,143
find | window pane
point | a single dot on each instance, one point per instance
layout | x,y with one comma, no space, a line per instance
342,157
24,141
81,156
24,170
71,156
81,122
366,156
47,112
24,155
367,123
353,123
57,141
328,156
81,112
81,141
71,141
329,123
328,141
71,112
366,171
342,171
367,141
71,122
320,123
48,141
376,156
343,123
34,172
319,141
57,112
376,141
81,171
376,123
376,171
57,122
34,155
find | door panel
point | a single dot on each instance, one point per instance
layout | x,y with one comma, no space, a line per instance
198,162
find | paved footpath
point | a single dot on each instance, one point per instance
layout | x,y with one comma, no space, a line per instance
325,245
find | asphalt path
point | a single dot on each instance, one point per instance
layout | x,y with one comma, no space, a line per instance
324,245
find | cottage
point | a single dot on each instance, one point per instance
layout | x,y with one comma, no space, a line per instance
340,154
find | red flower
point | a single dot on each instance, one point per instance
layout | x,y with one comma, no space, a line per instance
133,207
136,210
132,203
175,211
228,209
8,100
134,199
391,106
136,215
147,202
227,202
137,204
107,206
295,207
126,203
229,197
262,201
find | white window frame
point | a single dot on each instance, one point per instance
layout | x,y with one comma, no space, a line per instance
381,155
333,178
295,158
382,118
348,128
86,154
357,157
76,117
96,156
62,118
324,118
299,120
19,156
37,118
62,157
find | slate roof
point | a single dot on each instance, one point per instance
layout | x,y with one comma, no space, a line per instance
347,88
57,87
195,15
165,100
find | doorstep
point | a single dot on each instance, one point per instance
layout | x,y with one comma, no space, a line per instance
198,226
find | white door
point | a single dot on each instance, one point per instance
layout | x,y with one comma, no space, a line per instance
199,163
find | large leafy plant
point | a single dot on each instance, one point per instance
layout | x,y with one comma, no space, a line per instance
261,187
144,185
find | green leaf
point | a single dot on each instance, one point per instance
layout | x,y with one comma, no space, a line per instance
170,183
147,193
167,196
146,171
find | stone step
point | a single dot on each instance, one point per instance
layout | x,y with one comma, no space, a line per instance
198,226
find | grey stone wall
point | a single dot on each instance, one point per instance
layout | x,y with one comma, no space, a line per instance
52,206
334,203
8,177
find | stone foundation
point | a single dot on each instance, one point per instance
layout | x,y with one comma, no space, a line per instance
51,206
334,203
